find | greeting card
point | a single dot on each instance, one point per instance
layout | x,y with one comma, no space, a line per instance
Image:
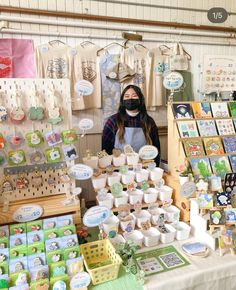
187,129
201,110
201,166
213,146
220,165
220,109
225,127
205,200
193,147
182,111
217,217
232,109
207,128
230,144
232,159
230,215
222,198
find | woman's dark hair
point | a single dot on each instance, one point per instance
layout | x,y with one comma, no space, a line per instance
122,115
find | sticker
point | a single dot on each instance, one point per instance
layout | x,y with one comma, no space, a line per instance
80,280
173,81
80,172
70,152
34,139
28,212
84,88
188,189
53,155
36,156
16,157
95,216
69,136
85,124
148,152
53,138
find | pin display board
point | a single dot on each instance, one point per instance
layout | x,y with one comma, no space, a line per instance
50,93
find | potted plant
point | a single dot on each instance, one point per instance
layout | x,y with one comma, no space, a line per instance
184,172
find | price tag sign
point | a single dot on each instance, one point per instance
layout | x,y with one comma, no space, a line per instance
95,216
27,212
85,124
84,88
217,15
188,189
80,172
80,280
148,152
173,81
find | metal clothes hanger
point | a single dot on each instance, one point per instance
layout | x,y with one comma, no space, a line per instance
139,44
51,42
86,42
110,44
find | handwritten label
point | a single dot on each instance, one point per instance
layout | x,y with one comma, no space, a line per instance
95,216
173,81
27,212
148,152
84,88
85,124
80,172
80,280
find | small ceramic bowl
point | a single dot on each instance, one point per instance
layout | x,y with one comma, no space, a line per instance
122,199
128,177
182,231
111,224
130,223
165,193
141,217
99,182
92,161
132,159
150,195
156,174
108,202
155,215
168,237
113,178
119,161
136,236
142,175
105,161
151,237
135,196
172,214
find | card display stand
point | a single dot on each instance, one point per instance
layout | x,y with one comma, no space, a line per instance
46,93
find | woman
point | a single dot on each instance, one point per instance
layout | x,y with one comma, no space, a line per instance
131,125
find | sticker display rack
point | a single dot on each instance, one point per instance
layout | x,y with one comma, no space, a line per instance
46,93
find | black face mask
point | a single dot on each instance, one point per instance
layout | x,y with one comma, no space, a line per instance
131,104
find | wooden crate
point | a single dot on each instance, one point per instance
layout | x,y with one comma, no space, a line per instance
52,206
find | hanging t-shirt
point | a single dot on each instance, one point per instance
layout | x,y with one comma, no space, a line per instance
86,67
54,61
17,58
156,95
110,87
136,57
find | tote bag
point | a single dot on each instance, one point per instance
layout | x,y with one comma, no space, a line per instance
17,58
179,58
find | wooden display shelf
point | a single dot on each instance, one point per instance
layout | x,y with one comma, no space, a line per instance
52,206
143,162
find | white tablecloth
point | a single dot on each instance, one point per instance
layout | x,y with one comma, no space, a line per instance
210,273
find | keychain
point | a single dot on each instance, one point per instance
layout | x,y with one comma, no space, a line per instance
3,110
22,182
51,181
36,112
64,177
37,180
17,114
54,112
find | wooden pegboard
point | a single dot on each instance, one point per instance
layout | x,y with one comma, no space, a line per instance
62,99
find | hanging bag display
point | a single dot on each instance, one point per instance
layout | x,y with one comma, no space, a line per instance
179,58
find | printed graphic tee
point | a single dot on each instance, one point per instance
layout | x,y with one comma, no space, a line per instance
86,67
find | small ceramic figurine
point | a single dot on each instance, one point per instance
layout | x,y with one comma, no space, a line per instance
19,267
36,238
72,255
54,246
56,258
37,262
18,242
71,243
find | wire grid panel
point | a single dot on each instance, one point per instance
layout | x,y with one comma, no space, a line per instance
50,93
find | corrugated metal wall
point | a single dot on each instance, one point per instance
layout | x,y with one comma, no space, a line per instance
141,9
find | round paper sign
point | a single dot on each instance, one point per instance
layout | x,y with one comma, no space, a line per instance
173,81
80,280
148,152
188,189
84,88
27,212
85,124
80,172
95,216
